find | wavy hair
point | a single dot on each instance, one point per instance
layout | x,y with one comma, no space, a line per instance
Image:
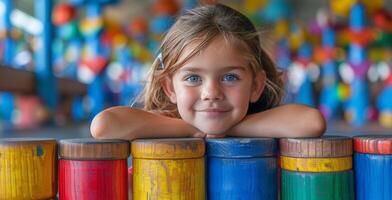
199,27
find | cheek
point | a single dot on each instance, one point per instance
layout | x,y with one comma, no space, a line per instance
185,104
240,100
242,105
186,98
242,94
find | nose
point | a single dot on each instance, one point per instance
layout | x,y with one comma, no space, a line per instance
211,91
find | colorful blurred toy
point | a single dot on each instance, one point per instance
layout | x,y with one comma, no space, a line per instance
329,99
30,112
68,43
163,12
94,59
372,6
381,54
343,7
384,104
188,4
302,73
275,10
68,50
24,50
5,32
6,99
165,8
357,109
46,82
252,6
382,20
138,29
283,54
297,36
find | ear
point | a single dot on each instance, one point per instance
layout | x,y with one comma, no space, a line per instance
258,86
167,86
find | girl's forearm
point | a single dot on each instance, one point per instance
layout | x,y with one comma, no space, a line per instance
284,121
128,123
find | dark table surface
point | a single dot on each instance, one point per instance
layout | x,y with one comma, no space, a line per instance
82,130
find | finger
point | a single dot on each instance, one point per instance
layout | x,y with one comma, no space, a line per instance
215,135
199,135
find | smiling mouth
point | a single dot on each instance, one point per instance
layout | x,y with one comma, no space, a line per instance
213,112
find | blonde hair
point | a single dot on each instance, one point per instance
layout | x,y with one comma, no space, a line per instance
199,27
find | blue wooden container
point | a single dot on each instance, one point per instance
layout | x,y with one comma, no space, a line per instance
241,168
373,176
373,167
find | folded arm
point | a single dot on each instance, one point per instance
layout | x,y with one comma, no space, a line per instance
128,123
292,120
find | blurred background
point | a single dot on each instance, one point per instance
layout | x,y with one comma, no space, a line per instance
62,62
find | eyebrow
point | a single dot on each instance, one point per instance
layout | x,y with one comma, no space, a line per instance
228,68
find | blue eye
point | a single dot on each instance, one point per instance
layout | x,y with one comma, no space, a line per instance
230,77
193,79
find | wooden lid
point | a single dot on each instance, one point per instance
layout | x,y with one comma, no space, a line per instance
26,141
92,149
27,147
322,147
231,147
373,144
170,148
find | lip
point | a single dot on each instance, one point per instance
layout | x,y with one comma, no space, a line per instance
213,112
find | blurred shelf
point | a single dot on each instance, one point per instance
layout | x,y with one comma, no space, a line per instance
81,130
345,129
22,81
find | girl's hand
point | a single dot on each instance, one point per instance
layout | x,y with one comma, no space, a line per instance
216,135
199,134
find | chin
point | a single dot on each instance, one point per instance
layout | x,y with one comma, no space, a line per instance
213,130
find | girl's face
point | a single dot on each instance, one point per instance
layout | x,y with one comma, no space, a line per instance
213,89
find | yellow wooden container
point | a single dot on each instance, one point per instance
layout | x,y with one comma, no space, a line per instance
28,168
168,169
316,164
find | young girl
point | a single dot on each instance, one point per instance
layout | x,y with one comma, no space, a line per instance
212,78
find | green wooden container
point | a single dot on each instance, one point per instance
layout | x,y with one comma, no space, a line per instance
317,186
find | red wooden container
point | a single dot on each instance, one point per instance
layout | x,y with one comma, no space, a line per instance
93,169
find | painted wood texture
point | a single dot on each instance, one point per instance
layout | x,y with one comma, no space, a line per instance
316,164
373,176
168,169
168,148
317,186
105,179
241,168
247,178
92,149
373,144
242,147
181,179
28,168
323,147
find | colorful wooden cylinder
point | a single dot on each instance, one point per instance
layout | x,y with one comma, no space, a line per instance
320,186
373,167
241,168
93,169
28,168
168,169
317,168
